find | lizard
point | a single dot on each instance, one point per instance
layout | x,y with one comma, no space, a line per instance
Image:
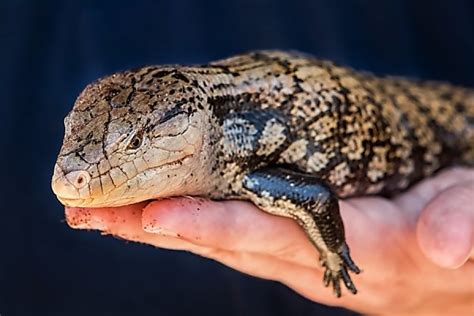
287,131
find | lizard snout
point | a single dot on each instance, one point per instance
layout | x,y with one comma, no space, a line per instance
69,185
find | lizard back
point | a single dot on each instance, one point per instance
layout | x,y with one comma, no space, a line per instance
361,133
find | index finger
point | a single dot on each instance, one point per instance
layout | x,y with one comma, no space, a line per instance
124,222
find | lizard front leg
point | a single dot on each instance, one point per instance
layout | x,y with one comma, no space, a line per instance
312,204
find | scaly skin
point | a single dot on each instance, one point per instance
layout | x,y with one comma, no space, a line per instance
286,131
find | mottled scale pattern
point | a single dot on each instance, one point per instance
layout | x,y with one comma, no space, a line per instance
361,133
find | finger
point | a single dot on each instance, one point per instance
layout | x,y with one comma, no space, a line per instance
417,197
231,225
445,229
241,227
123,222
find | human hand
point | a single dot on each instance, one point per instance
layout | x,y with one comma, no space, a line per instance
416,250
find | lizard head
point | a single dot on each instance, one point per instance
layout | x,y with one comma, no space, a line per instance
131,137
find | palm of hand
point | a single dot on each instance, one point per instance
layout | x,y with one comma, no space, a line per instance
407,246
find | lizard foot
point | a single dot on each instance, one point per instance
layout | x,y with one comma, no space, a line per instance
336,268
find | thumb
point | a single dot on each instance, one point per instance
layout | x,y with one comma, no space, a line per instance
445,228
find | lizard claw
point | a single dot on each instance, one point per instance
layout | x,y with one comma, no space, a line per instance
348,262
334,275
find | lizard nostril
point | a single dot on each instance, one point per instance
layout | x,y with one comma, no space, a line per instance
78,178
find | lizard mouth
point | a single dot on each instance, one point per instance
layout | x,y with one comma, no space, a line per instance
72,199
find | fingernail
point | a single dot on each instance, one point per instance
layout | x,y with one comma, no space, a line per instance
152,226
446,238
84,219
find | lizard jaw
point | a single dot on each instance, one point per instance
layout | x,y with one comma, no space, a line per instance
70,192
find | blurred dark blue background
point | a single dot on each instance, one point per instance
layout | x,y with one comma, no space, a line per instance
49,50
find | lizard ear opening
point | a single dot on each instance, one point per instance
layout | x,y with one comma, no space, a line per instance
172,124
171,114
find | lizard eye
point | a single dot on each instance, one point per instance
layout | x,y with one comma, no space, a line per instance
136,141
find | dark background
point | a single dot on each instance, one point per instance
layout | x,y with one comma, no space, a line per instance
49,50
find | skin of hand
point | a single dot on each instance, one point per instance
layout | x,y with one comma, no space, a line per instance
415,250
